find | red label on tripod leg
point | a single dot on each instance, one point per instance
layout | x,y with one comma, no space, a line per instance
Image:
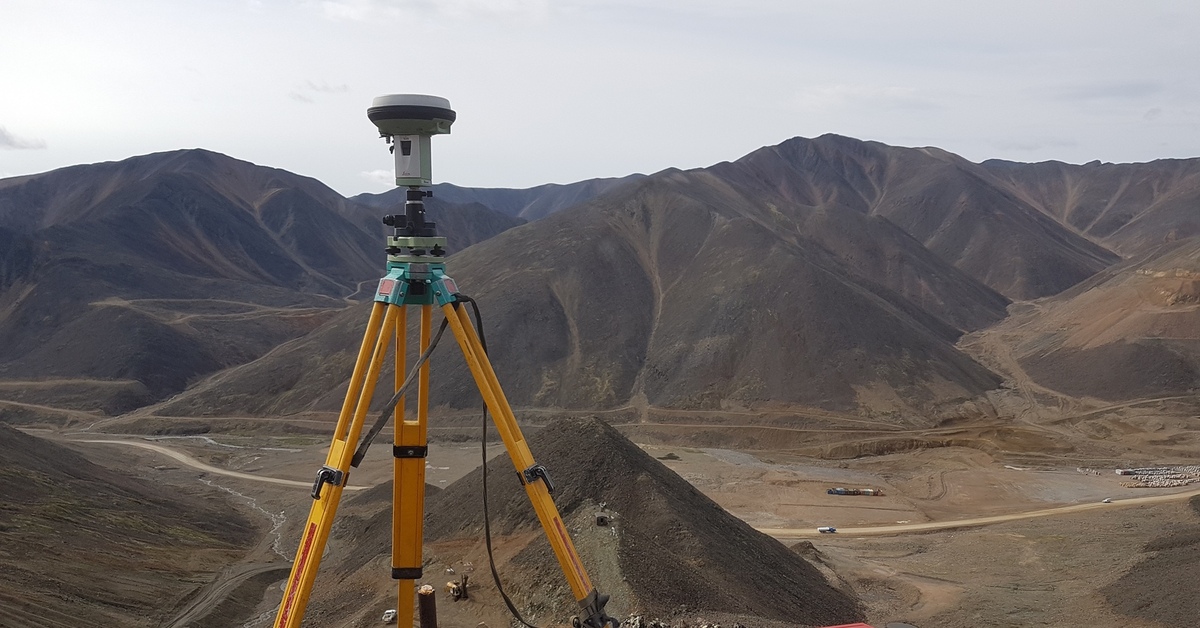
297,575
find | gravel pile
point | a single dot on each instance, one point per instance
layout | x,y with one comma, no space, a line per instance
678,550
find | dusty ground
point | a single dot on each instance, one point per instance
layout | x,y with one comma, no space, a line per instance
1038,572
772,469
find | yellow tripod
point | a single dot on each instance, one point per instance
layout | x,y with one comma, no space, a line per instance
416,277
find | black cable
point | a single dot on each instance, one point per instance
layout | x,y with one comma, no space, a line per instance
487,524
361,452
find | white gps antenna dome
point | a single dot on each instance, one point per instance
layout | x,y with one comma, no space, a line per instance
407,121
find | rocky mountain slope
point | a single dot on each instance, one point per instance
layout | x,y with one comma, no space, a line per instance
82,543
1129,208
955,208
829,273
683,291
1130,332
134,278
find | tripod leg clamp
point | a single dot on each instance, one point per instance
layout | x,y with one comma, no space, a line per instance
535,472
327,475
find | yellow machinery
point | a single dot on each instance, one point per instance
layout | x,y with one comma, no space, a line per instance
416,278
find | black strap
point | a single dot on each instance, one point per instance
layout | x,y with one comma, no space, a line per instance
487,523
361,452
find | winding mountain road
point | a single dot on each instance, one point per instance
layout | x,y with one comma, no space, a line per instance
229,579
215,592
183,458
802,533
778,533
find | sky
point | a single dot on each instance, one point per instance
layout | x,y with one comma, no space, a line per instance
556,91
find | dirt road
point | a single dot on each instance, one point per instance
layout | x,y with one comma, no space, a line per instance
779,533
802,533
213,593
183,458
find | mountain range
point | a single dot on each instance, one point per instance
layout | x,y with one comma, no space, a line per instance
828,273
132,279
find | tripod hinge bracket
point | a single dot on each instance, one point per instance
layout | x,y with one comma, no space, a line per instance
327,475
409,451
531,475
445,290
392,289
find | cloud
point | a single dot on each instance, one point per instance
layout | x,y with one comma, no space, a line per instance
1030,145
350,11
367,10
8,141
326,88
305,93
1152,114
1108,90
826,97
380,177
466,9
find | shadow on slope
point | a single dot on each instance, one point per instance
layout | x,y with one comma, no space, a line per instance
678,291
1158,588
166,267
1130,208
78,540
956,209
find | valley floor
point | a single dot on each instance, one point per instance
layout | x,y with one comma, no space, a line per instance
1050,570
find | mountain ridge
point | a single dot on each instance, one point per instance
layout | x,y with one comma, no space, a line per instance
163,268
584,299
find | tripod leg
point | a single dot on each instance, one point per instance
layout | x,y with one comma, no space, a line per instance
529,471
405,606
337,465
408,491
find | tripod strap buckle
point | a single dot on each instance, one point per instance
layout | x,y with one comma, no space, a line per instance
409,451
407,573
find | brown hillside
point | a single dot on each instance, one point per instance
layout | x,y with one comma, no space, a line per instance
1151,589
78,540
1131,332
685,293
1131,208
956,209
159,269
